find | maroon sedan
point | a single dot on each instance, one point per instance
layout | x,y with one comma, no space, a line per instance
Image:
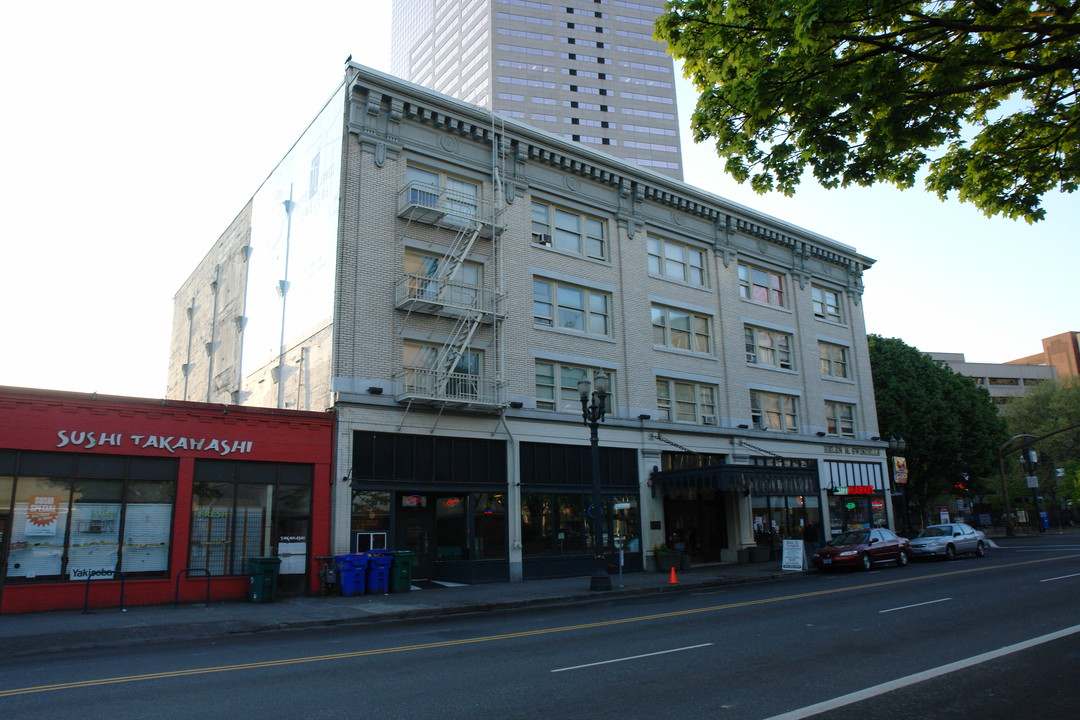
863,549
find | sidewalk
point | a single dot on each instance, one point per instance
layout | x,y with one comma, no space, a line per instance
71,629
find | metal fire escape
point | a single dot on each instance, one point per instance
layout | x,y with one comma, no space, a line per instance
460,308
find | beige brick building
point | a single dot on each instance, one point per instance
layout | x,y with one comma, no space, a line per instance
442,278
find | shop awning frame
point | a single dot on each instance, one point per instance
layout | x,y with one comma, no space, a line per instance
747,479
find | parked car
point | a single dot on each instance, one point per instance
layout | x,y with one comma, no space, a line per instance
948,541
862,549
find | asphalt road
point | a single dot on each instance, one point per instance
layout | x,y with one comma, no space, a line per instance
988,638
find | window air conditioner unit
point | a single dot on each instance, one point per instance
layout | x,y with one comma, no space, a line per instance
708,419
541,238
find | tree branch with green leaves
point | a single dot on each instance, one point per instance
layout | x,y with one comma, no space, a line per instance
977,97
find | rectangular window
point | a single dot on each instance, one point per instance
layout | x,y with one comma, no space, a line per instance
676,261
769,347
826,304
433,372
763,286
425,281
458,198
233,509
834,360
686,402
568,230
840,418
571,308
773,411
557,386
94,523
681,330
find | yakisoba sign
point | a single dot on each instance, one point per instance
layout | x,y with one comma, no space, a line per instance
89,439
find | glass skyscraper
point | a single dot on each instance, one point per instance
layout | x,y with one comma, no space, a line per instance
586,70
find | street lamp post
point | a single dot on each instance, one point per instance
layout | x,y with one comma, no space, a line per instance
593,409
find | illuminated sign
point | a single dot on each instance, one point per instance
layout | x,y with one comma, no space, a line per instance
853,490
414,501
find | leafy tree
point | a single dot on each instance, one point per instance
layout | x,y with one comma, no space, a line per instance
948,422
860,90
1047,408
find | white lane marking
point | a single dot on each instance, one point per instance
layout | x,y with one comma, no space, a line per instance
1060,577
632,657
866,694
905,607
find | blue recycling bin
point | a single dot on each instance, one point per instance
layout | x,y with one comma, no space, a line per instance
352,573
378,571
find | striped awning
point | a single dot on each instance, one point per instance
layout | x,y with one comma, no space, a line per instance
847,474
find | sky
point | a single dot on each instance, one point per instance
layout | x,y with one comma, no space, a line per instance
132,134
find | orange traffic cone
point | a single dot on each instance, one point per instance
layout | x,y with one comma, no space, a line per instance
673,580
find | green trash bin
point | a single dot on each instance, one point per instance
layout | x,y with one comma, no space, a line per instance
262,576
401,571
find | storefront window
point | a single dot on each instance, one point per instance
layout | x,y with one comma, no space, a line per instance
490,526
63,529
783,517
147,527
94,544
553,525
39,528
211,526
370,519
229,523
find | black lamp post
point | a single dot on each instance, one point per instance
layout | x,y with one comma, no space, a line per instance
896,449
593,413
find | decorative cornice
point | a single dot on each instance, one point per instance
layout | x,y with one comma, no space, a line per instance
382,111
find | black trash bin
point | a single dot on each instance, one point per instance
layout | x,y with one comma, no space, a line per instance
401,571
262,578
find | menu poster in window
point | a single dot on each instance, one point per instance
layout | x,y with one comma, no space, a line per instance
41,514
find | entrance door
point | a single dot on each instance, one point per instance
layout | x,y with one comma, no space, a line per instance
417,532
695,520
292,548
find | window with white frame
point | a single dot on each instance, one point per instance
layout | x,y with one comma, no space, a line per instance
423,271
686,402
763,286
429,370
676,261
681,329
769,347
774,411
826,304
834,360
428,188
557,386
840,419
568,230
570,307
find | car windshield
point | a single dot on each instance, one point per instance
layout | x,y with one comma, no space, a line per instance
850,538
938,531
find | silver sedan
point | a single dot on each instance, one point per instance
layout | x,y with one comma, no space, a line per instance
948,541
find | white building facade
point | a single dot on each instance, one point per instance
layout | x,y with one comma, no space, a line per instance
586,70
442,278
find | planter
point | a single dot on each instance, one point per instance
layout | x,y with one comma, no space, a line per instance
668,561
759,554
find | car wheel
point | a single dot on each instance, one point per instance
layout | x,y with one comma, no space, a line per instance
902,559
866,561
950,552
980,550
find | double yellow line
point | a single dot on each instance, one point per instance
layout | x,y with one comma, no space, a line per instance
492,638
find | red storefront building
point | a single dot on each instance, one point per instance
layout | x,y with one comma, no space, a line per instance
103,495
